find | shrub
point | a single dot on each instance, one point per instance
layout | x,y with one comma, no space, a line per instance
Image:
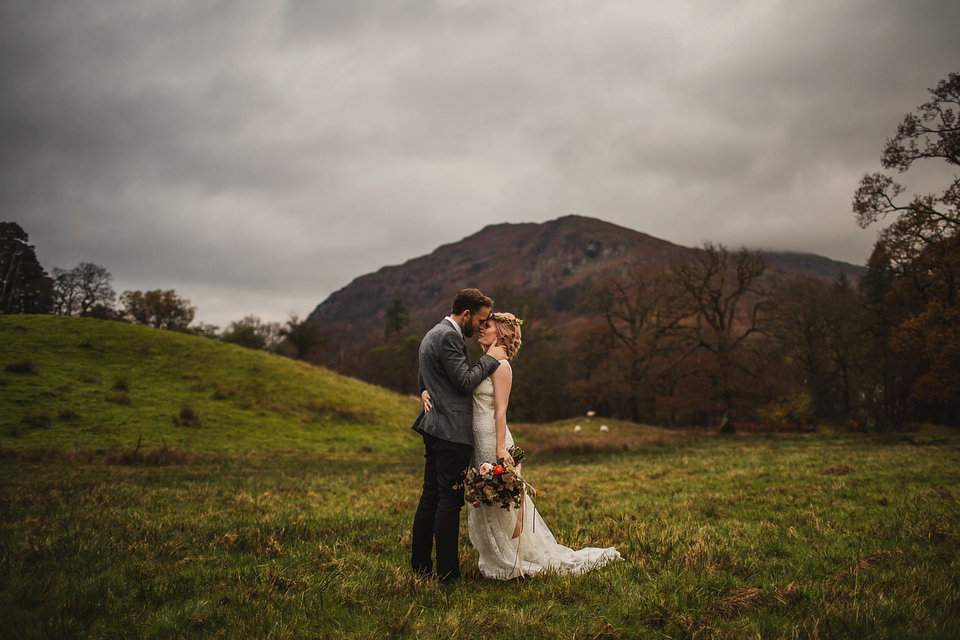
23,367
795,409
121,384
188,417
68,414
88,378
221,393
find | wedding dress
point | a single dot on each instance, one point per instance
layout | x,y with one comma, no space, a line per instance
491,528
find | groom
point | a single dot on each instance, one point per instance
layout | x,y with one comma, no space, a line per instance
447,430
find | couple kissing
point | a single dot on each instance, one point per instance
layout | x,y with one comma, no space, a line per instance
463,423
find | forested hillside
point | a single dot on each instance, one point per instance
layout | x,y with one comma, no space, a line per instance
616,321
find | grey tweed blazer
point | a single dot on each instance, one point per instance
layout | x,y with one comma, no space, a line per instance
446,373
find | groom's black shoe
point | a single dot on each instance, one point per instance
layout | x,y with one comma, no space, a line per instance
447,585
449,580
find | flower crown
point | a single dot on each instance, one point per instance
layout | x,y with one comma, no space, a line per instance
506,318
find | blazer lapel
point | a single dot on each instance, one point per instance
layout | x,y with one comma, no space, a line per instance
462,342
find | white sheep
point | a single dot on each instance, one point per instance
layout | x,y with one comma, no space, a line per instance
576,429
604,428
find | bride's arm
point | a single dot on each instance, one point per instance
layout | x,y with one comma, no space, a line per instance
502,383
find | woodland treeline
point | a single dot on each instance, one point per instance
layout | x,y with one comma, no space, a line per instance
709,341
87,290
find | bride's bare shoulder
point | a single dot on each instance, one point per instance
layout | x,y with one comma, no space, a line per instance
503,369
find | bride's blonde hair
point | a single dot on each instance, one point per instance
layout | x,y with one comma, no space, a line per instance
508,332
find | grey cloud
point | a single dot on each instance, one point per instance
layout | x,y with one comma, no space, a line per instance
273,151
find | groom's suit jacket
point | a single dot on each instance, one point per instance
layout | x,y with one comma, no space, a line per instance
446,373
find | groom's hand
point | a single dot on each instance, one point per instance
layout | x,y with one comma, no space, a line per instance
497,352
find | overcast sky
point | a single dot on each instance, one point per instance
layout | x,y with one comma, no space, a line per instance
258,155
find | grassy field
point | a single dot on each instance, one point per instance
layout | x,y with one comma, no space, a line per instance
307,535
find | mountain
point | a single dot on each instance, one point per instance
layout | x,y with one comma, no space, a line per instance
556,260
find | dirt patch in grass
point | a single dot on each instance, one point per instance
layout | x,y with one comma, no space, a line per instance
22,367
36,419
321,411
838,470
152,457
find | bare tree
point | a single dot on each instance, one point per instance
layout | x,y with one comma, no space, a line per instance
822,328
642,318
922,242
65,292
82,289
721,293
94,286
913,282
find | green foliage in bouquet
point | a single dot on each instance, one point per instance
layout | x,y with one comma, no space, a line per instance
497,484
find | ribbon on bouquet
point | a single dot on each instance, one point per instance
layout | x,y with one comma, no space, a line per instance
518,529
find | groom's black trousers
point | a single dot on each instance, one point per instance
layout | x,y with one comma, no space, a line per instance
438,514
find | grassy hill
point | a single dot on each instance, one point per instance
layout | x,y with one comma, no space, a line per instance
81,383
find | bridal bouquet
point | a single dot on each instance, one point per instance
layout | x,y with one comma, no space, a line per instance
497,484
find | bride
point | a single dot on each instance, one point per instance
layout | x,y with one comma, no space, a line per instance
504,555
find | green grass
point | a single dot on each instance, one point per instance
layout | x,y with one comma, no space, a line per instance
84,383
302,530
721,539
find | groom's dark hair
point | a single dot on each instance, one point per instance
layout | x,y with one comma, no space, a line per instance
469,300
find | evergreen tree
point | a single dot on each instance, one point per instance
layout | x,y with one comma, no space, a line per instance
24,286
397,318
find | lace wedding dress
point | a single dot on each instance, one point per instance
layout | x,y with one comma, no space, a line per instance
491,528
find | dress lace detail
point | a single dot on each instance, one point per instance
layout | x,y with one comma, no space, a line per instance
491,528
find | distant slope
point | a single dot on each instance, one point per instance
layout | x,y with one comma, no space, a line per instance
91,384
557,261
808,265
